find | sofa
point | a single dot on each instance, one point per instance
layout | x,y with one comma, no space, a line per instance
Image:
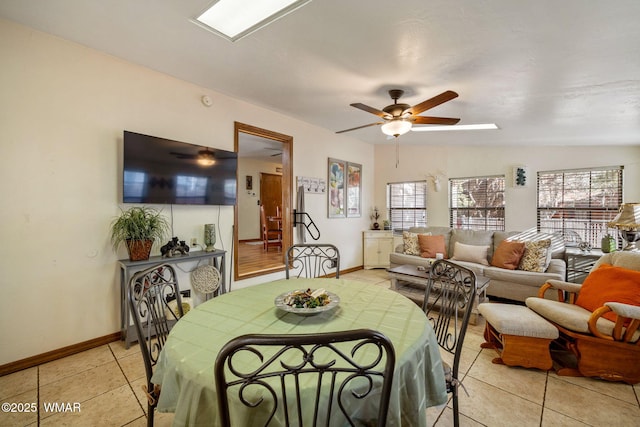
467,247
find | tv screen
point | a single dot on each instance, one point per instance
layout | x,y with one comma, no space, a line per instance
162,171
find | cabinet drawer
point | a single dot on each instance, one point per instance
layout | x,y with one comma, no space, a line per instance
378,234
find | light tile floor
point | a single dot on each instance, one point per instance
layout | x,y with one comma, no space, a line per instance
105,383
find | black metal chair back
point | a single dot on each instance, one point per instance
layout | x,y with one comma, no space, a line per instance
320,379
448,302
312,260
150,292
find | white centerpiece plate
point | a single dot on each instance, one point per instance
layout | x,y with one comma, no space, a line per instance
280,303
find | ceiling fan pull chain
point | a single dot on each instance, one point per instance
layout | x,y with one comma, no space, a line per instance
397,152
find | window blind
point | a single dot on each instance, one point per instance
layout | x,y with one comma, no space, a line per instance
477,203
578,203
407,204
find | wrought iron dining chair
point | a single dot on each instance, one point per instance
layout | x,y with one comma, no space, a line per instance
448,301
335,378
152,293
312,260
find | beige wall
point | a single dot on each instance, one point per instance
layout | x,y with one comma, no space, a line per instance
63,109
417,162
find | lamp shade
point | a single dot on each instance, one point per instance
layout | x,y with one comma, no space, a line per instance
396,127
628,217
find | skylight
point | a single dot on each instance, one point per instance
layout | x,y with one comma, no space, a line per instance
234,19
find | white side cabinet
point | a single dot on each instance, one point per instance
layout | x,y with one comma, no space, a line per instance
378,244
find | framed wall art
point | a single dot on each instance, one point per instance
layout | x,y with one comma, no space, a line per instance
336,174
354,189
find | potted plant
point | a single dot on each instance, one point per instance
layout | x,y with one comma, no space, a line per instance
138,228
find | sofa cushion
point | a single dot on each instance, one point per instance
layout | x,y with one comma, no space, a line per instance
558,248
398,258
470,253
472,237
508,254
410,241
609,284
537,256
521,277
434,230
431,245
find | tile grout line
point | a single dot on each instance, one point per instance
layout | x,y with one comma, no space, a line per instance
544,397
128,382
38,394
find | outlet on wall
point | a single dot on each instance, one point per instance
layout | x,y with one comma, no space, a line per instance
194,241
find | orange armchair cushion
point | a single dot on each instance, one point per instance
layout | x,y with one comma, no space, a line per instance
431,245
609,284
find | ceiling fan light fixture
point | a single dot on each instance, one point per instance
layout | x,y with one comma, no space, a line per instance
206,158
396,127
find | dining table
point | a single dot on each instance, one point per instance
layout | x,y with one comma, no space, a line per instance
185,368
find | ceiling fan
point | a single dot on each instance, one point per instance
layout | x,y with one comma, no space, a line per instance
399,118
204,157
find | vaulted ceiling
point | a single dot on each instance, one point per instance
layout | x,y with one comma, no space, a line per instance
547,72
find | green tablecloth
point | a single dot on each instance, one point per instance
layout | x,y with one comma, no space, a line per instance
185,367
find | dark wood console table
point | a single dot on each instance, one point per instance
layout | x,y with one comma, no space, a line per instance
129,268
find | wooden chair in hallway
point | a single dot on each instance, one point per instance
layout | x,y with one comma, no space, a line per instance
270,236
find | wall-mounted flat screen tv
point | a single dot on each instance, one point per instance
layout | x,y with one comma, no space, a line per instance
162,171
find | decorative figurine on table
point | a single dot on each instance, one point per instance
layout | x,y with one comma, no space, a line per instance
608,243
173,247
374,217
209,237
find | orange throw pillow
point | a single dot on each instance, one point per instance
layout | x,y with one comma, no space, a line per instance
431,245
609,284
508,254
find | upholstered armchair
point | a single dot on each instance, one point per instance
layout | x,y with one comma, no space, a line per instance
598,320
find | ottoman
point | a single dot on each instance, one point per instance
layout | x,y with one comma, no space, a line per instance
518,334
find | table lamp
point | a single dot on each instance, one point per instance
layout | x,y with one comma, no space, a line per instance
628,223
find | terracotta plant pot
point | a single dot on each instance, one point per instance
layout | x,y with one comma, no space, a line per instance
139,250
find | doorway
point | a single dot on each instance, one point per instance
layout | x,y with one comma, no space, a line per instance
264,158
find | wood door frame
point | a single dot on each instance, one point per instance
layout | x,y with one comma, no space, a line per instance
287,189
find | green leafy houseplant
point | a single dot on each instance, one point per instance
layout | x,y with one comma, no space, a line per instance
138,228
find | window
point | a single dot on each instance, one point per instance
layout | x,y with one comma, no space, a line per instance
578,203
407,204
477,203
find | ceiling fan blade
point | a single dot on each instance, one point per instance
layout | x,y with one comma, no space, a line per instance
360,127
183,155
424,120
433,102
371,110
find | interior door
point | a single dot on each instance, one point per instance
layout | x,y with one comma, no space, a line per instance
271,193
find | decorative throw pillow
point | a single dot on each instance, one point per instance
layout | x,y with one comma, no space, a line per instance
508,254
411,245
431,245
535,256
470,253
609,284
